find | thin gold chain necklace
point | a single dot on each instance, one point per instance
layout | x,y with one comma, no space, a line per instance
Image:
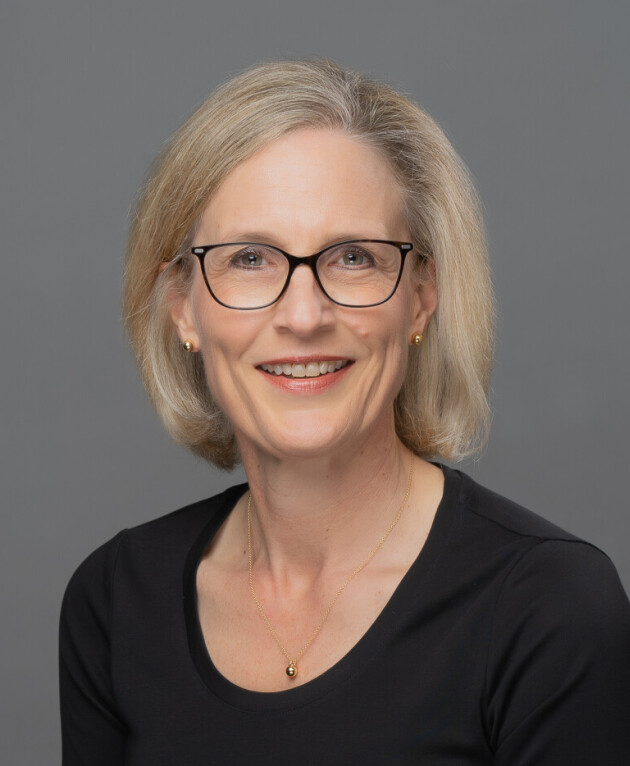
291,669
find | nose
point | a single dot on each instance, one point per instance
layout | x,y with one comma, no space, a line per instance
303,309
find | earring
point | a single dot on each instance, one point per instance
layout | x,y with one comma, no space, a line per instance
188,346
416,339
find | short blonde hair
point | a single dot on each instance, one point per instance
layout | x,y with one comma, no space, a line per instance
441,410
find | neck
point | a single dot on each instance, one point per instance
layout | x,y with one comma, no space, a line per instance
322,514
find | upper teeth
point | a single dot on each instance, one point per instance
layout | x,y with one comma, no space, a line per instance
308,370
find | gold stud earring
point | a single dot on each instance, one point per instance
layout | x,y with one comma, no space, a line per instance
188,346
416,339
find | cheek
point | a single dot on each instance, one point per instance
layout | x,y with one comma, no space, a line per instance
225,338
361,330
215,332
384,334
383,327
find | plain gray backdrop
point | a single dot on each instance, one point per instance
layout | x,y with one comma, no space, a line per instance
535,97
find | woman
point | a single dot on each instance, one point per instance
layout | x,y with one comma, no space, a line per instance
307,292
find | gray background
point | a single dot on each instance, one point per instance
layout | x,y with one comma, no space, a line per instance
534,96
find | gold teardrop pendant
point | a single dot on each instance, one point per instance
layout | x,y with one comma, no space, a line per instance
291,670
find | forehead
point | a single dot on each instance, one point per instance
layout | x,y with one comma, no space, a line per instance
307,187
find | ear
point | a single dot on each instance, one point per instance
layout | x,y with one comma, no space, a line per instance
425,297
181,311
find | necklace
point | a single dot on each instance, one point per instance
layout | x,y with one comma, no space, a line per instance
291,669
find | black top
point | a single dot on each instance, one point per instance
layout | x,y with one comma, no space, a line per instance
507,642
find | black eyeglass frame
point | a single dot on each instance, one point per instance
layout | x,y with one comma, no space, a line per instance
311,262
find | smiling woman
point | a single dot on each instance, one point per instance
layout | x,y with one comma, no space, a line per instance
442,407
312,186
307,291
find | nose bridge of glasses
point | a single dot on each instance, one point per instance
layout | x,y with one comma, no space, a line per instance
296,261
309,261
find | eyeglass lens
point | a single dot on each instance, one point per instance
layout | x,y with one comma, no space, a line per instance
253,275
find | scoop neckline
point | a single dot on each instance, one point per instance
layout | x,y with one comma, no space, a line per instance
358,658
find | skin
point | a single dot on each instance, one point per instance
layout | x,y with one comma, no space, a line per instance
326,470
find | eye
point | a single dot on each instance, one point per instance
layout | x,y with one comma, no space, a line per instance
248,259
353,257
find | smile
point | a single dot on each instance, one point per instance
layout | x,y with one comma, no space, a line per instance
305,370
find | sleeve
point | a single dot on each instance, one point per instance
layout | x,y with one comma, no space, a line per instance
558,672
92,731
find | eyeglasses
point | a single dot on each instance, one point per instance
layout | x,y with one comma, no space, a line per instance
251,275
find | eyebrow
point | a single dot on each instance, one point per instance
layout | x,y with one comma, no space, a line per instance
268,239
250,236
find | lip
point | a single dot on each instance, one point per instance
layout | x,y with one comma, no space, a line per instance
306,385
306,359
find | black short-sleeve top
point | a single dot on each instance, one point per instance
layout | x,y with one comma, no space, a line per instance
507,642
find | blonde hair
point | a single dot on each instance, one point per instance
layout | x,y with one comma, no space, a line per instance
441,410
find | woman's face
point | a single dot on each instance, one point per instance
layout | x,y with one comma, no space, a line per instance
303,192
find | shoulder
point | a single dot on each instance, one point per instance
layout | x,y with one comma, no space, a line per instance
543,564
160,538
564,587
550,587
557,657
88,590
558,654
499,511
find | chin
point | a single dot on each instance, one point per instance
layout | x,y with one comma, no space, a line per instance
303,437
